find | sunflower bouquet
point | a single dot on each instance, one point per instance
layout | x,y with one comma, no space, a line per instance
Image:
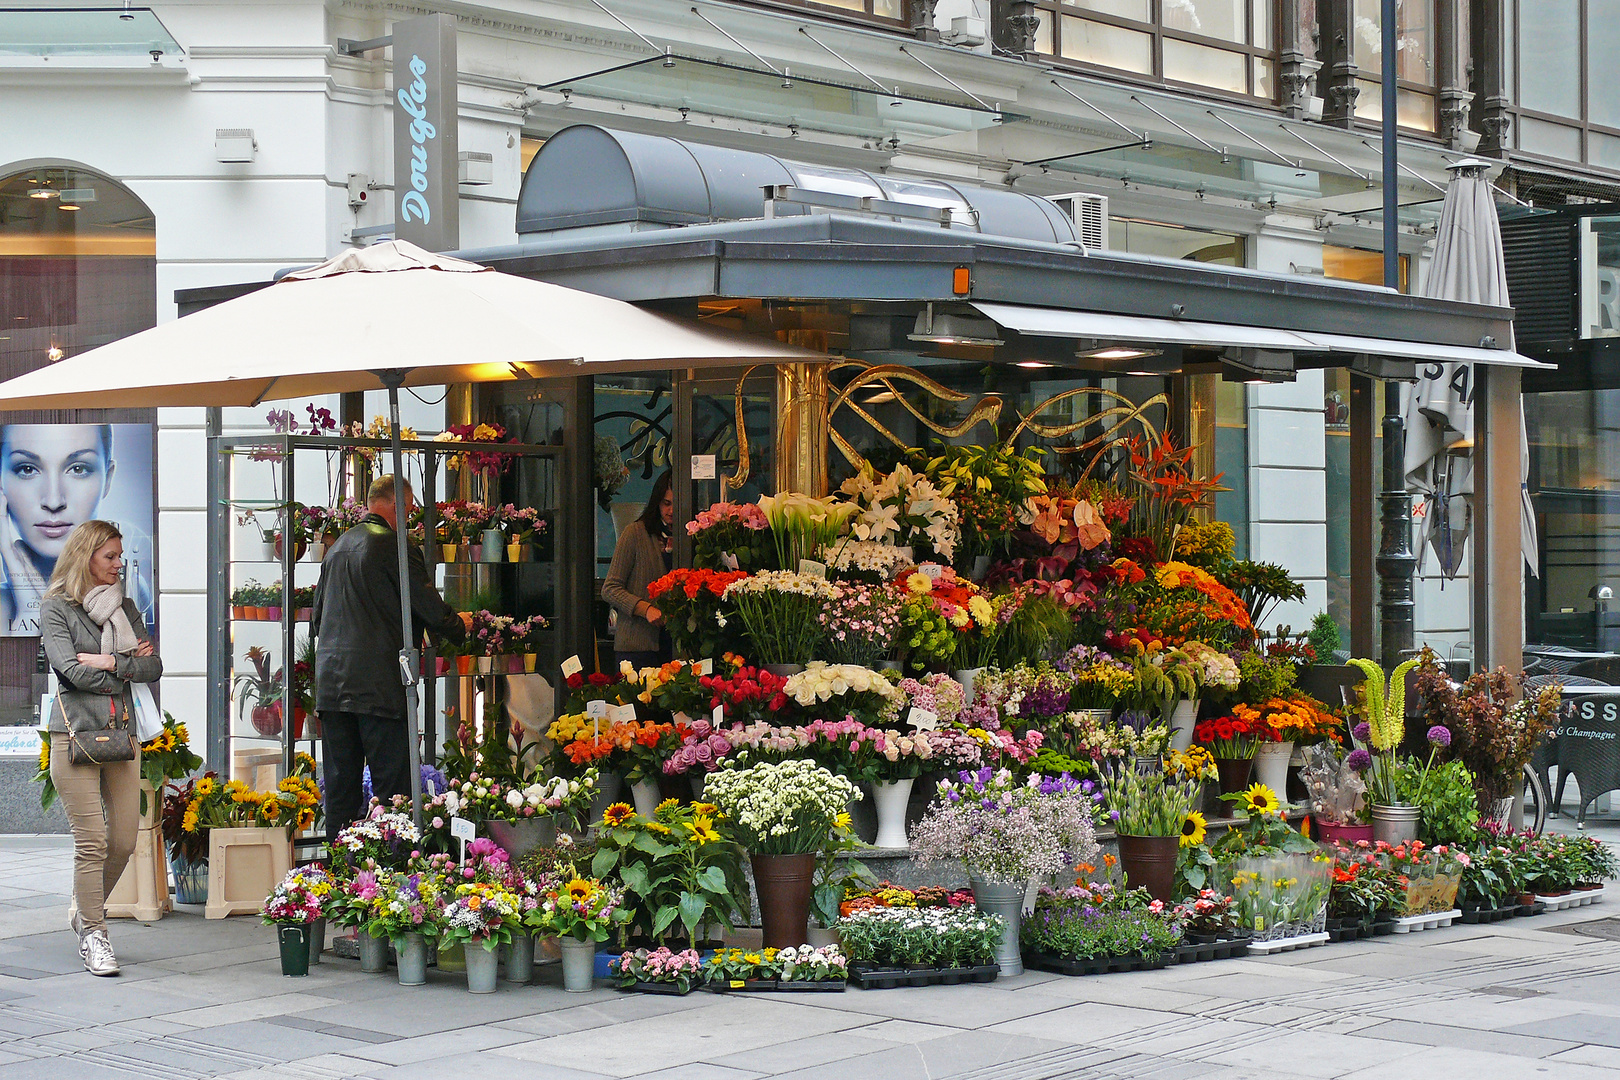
678,866
585,909
167,756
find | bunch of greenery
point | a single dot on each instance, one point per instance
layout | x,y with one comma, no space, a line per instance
1149,804
1444,796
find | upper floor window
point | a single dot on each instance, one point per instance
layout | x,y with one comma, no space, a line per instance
1226,45
1415,78
881,9
1562,77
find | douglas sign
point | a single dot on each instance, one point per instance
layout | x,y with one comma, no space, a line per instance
427,202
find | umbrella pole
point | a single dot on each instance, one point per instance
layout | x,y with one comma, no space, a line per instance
408,664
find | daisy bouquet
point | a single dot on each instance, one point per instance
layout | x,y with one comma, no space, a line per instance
406,904
781,610
481,912
786,808
869,561
383,841
1007,830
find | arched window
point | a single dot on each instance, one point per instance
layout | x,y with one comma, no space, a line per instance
78,264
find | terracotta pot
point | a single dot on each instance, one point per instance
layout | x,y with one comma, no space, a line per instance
239,611
1149,863
464,665
1234,773
783,883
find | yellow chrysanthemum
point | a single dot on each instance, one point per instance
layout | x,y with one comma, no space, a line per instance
1259,799
842,820
1193,830
919,583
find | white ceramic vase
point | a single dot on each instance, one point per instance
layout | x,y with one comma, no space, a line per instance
890,800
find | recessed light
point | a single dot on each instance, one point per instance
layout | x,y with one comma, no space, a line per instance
67,206
1119,352
1034,364
54,353
42,193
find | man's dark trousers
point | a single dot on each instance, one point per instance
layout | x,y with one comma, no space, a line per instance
350,741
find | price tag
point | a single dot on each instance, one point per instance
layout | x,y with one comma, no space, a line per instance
705,667
719,715
813,569
463,829
931,570
737,984
596,710
622,714
572,667
922,719
703,466
729,561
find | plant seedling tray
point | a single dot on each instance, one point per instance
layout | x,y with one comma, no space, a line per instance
776,986
1220,949
1062,965
658,988
1287,944
1433,920
1576,898
1348,930
1383,928
872,977
1489,915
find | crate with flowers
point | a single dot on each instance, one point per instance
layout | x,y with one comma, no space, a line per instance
920,946
799,969
658,971
1093,927
1278,876
1209,929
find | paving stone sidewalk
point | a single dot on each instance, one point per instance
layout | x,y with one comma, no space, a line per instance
1526,998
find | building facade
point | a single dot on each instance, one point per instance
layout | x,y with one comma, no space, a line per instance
221,142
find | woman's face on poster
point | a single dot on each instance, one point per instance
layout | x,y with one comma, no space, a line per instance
54,476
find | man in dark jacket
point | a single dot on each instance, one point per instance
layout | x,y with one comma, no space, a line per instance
358,694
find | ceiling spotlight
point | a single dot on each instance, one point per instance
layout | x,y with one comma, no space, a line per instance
67,206
1120,352
42,193
1034,364
54,353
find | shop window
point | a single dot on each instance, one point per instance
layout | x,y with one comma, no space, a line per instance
1414,69
78,269
1357,264
880,9
1224,45
1562,79
1176,242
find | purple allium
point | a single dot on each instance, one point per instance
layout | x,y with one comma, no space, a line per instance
1361,732
1440,736
1359,761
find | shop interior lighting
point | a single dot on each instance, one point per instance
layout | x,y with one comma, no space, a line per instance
1034,364
1120,352
54,353
949,328
42,193
67,206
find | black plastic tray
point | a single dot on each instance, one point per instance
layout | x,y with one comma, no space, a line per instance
1348,930
1489,915
658,988
778,986
1220,949
1062,965
871,977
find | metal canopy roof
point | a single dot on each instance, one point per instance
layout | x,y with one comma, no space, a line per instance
832,257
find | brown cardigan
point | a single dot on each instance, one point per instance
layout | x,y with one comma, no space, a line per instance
638,561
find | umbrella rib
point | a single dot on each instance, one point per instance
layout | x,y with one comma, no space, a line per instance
269,386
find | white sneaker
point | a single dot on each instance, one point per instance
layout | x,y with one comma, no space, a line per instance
99,958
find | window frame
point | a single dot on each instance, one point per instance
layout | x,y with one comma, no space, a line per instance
1430,91
835,12
1582,125
1050,12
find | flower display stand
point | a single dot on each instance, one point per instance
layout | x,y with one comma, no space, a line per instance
1579,898
1433,920
1288,944
244,866
142,892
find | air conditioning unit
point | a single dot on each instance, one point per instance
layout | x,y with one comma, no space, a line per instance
475,167
1090,216
234,146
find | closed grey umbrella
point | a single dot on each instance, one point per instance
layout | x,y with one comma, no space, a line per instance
1468,266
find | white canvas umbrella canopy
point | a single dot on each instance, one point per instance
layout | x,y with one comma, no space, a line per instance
1467,265
386,316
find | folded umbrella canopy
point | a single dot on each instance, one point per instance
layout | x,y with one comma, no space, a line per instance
1467,265
383,317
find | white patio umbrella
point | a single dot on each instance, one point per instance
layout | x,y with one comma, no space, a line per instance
1467,265
383,317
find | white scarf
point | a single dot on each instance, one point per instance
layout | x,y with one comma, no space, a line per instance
105,606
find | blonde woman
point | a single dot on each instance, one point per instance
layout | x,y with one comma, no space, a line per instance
97,644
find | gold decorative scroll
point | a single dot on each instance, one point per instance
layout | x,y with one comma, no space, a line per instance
988,408
1128,413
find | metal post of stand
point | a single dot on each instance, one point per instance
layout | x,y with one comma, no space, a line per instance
289,614
1396,563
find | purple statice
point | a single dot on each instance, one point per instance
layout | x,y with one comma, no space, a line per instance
1043,700
1440,736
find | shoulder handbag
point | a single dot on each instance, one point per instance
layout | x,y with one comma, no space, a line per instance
101,746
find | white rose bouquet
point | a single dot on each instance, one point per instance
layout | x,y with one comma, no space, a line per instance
835,691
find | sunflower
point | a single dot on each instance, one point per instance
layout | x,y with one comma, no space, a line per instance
580,891
704,809
1259,799
702,829
618,813
1193,830
667,804
842,820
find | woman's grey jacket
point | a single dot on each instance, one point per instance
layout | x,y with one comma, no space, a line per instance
85,694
